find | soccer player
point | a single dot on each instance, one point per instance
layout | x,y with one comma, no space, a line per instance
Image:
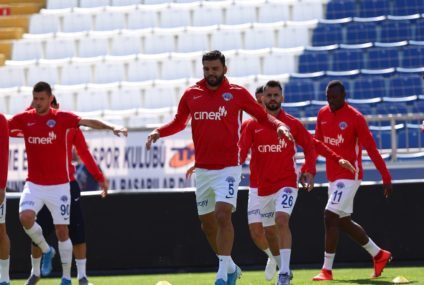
45,131
256,229
4,238
215,107
76,226
344,129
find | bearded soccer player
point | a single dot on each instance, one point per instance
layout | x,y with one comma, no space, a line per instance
344,129
45,131
4,238
215,107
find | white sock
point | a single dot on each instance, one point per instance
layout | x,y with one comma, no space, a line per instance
65,250
81,263
328,260
371,247
223,267
36,264
268,252
36,235
231,266
277,259
4,270
285,260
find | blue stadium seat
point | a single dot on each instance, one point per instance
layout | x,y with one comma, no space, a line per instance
313,61
413,56
324,82
347,59
365,109
382,136
369,87
384,108
312,110
407,7
337,9
374,8
395,31
327,34
382,57
405,85
418,107
411,137
299,90
361,32
419,30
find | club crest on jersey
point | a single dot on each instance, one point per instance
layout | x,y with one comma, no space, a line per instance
343,125
51,123
340,185
64,198
227,96
287,190
230,179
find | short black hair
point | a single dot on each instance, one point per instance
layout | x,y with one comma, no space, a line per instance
336,83
214,55
259,89
41,87
273,83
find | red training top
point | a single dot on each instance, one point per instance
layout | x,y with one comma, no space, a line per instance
4,151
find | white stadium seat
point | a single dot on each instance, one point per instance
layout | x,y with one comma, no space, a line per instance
295,34
281,61
18,102
44,23
126,44
175,16
126,97
77,22
304,10
240,13
179,65
60,4
27,49
228,37
109,21
145,68
107,72
143,18
161,40
93,99
93,3
93,46
47,73
163,93
214,11
274,11
60,48
244,62
194,39
74,73
66,95
125,2
260,36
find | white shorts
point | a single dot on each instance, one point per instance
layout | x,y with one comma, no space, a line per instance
253,207
281,201
216,186
57,199
341,194
3,211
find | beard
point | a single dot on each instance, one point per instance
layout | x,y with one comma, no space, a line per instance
273,106
214,80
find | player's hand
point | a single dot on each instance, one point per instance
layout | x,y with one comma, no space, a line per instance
388,189
152,138
117,131
104,185
190,172
347,165
2,195
284,131
307,181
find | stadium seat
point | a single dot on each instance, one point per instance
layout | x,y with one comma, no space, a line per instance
19,101
61,4
365,109
93,3
312,110
160,40
407,7
405,85
419,30
294,34
240,13
413,56
125,2
44,23
368,86
61,48
244,63
274,11
77,22
347,59
383,136
93,99
214,10
126,97
47,73
143,18
313,61
361,32
144,68
297,90
337,9
395,31
175,16
108,72
163,93
228,37
307,10
12,76
260,36
27,50
327,34
93,46
374,8
179,66
126,44
76,74
382,57
345,78
280,61
194,39
109,21
418,107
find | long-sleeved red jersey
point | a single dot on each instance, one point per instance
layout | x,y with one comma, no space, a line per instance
275,158
4,151
345,131
216,121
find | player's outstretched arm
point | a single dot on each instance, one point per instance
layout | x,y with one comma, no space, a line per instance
102,125
347,165
152,138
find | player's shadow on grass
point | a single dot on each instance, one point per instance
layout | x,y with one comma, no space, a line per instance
368,282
